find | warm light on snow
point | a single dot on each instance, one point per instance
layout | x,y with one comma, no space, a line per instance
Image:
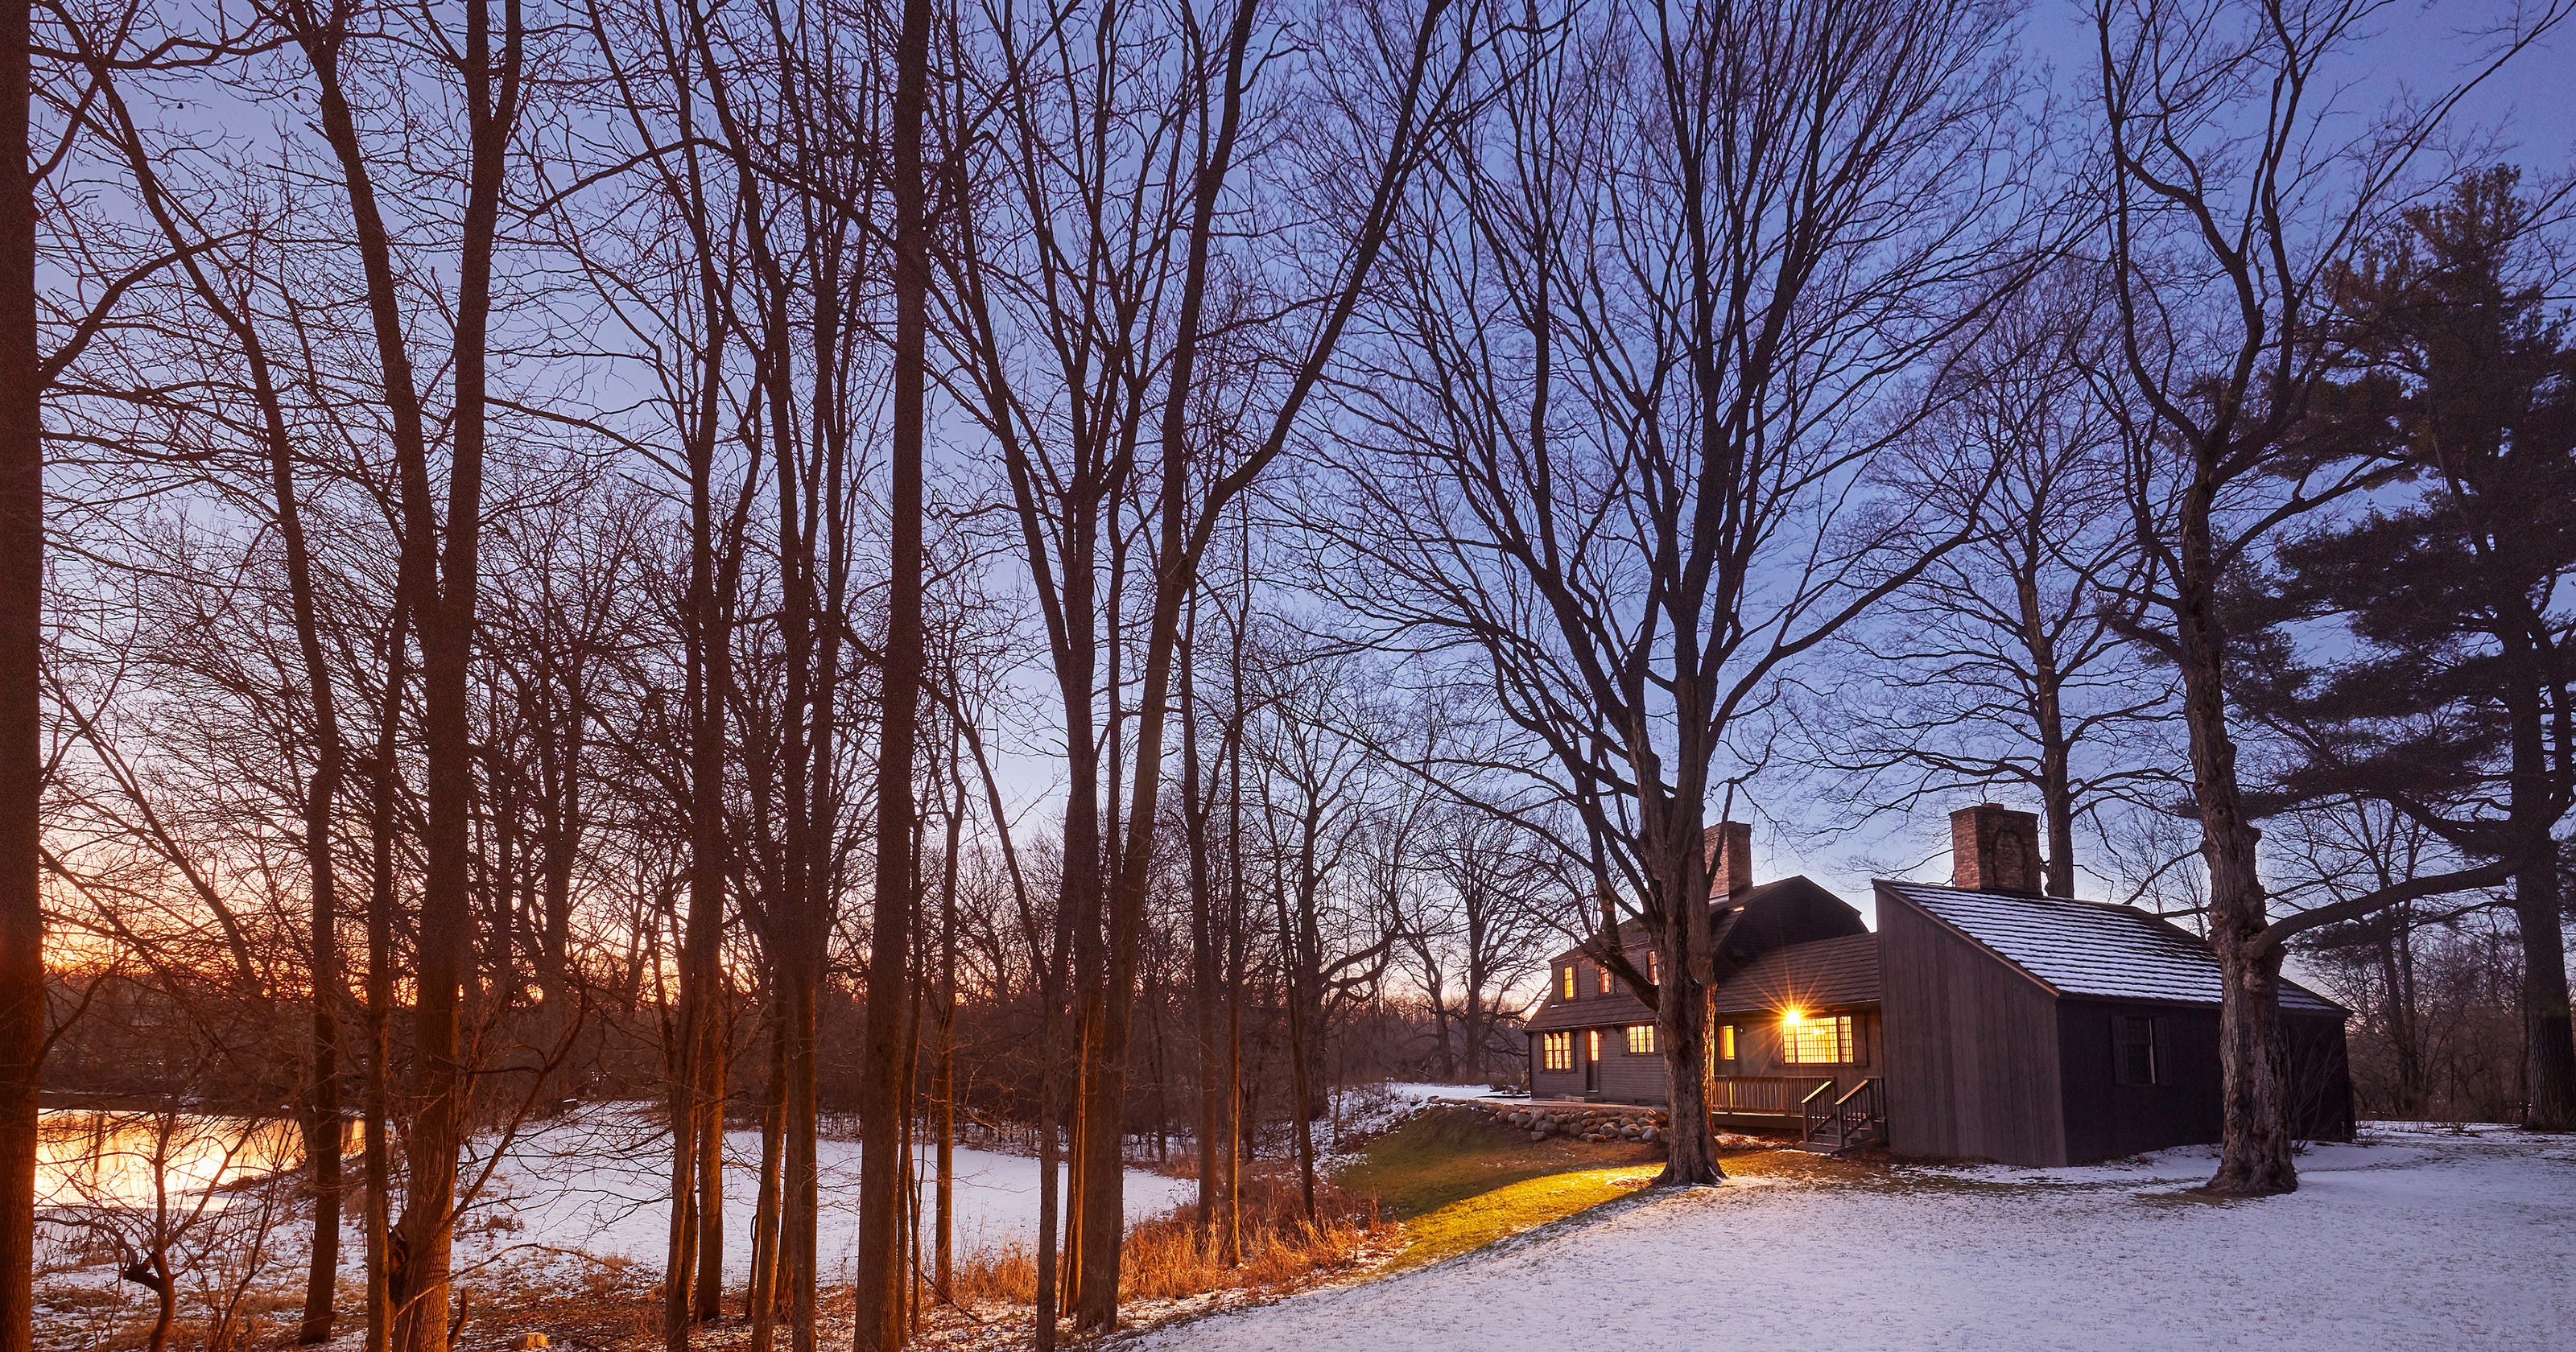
2419,1238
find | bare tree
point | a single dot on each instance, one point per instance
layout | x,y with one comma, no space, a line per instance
877,1320
2229,209
1638,346
2006,663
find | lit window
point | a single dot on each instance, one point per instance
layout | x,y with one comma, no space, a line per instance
1565,981
1641,1039
1600,979
2133,1049
1556,1051
1815,1040
1654,969
1726,1042
1591,1044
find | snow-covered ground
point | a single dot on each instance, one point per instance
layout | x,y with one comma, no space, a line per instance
571,1194
2419,1237
596,1183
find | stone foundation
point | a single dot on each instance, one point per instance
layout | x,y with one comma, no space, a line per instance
1574,1122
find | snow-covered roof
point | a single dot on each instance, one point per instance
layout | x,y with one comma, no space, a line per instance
2087,947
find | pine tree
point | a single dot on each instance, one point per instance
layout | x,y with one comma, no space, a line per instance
2450,692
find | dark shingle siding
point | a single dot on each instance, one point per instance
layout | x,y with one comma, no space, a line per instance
1818,975
1763,917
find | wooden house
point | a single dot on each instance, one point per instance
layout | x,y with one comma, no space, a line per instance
1980,1020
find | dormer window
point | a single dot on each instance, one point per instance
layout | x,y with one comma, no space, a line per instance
1565,981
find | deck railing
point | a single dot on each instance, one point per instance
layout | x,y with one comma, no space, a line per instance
1762,1095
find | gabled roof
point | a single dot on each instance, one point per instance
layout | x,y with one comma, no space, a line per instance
1817,975
1758,920
2087,948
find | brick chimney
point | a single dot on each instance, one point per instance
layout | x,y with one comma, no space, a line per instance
1994,849
1729,858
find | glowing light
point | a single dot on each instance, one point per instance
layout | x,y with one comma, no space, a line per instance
1791,1016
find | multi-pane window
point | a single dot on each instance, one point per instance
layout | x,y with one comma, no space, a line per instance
1654,969
1600,979
1641,1039
1592,1044
1815,1040
2133,1049
1565,981
1556,1051
1726,1042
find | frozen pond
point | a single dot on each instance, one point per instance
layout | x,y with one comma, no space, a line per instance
591,1183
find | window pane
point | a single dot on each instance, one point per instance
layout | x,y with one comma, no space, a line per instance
1641,1039
1726,1042
2133,1050
1810,1040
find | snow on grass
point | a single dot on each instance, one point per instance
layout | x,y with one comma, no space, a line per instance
2416,1237
1363,1111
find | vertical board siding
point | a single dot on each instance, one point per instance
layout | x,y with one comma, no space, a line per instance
1970,1045
2106,1119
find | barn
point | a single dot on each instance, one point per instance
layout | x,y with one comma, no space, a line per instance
1979,1020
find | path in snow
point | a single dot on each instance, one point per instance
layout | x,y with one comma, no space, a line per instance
2418,1238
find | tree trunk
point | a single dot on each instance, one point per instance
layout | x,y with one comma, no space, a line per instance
761,1300
803,1195
1204,966
877,1324
384,1274
714,1047
1301,1090
2548,1034
1050,1113
680,1248
2255,1144
1681,1031
22,546
944,1068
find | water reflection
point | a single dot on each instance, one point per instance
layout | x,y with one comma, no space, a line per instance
100,1157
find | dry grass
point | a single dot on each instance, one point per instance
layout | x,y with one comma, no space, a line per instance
1166,1258
1512,1209
1447,1155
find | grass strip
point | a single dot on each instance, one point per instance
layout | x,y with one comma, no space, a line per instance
1512,1209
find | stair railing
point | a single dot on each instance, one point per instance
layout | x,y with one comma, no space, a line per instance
1855,1112
1816,1110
